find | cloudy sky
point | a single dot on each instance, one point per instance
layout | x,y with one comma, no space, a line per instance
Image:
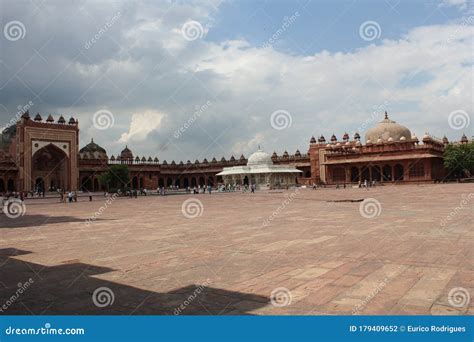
197,79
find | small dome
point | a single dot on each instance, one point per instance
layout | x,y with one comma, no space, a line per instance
61,120
414,137
72,121
188,162
322,139
173,162
50,118
313,140
402,138
338,145
333,138
149,159
260,158
356,136
464,138
242,158
223,159
445,140
93,151
297,153
232,158
38,117
348,143
126,153
214,160
204,161
165,162
345,136
358,143
285,154
156,160
196,161
369,142
180,163
391,139
386,129
379,141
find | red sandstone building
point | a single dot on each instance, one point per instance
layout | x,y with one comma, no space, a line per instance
45,154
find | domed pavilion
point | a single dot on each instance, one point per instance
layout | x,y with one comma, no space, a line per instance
261,171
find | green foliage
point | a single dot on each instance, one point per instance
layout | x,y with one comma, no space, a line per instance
459,159
116,177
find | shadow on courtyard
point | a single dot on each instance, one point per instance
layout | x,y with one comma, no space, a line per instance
37,220
68,289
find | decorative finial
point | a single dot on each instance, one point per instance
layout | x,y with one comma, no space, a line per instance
386,115
92,140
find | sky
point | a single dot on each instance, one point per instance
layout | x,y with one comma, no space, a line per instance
187,80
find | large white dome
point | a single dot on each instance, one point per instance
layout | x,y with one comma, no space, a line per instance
260,158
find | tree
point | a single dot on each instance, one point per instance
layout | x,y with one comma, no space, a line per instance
116,177
459,159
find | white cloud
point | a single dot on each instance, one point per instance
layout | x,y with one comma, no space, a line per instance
141,125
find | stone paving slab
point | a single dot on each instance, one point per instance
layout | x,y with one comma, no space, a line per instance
235,253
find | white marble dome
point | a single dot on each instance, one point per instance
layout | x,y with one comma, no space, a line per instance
386,129
260,158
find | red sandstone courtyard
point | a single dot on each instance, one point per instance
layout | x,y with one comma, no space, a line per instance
302,252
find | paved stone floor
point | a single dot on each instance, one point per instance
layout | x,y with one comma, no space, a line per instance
290,252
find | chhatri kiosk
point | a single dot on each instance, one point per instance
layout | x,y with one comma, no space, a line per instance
261,171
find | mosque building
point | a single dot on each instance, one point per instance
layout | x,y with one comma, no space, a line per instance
45,154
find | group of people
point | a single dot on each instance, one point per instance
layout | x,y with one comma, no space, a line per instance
69,196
